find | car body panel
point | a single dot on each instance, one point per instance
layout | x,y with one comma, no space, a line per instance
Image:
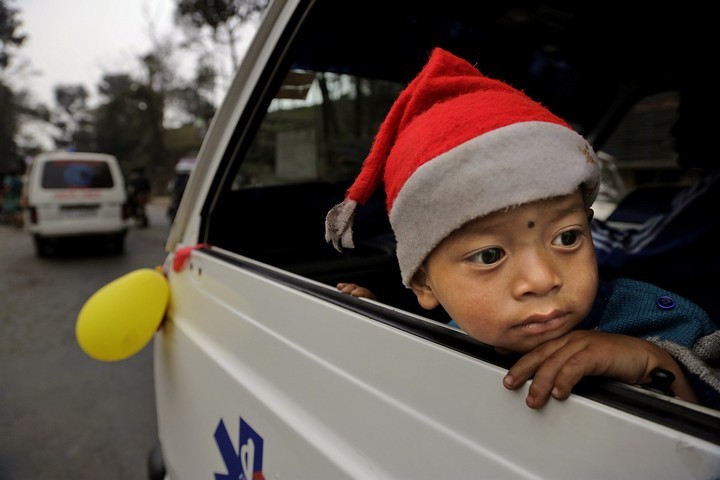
334,394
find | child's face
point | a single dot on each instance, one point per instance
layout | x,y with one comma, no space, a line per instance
515,279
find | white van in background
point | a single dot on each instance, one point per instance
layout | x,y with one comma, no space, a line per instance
75,194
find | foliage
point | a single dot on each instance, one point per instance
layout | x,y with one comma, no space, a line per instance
72,118
218,14
129,117
10,39
9,36
128,122
8,129
214,26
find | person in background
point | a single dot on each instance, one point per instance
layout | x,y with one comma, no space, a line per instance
489,195
12,191
138,188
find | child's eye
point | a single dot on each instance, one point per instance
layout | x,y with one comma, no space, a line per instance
567,238
488,256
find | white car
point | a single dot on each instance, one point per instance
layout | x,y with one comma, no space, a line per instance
75,195
264,370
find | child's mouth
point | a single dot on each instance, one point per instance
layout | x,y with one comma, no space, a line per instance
541,323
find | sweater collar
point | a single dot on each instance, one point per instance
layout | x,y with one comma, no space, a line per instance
602,299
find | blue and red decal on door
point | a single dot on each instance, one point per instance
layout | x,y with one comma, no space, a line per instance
246,462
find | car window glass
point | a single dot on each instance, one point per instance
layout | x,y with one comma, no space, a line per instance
640,159
311,143
319,127
76,174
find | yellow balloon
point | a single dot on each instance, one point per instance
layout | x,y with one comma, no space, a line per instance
118,320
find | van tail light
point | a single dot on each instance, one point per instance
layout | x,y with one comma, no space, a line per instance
33,215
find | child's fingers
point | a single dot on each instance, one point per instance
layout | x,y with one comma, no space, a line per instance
362,292
355,290
527,365
555,368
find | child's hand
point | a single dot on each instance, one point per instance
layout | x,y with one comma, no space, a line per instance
355,290
560,364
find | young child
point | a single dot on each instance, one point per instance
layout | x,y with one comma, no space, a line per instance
489,197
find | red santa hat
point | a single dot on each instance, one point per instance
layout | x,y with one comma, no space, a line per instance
457,145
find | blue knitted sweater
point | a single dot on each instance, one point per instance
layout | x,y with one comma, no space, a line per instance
677,325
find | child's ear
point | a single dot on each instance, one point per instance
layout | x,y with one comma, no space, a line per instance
590,214
424,293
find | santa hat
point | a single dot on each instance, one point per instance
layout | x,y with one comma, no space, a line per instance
457,145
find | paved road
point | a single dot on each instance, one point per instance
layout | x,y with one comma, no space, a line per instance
64,415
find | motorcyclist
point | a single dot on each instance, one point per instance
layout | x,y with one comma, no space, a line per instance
138,189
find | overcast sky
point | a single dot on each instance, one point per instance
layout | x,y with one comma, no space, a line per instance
77,41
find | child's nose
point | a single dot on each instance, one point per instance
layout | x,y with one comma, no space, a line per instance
537,273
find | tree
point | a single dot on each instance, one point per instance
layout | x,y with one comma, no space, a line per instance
217,26
151,94
8,128
193,98
128,121
118,118
72,118
10,39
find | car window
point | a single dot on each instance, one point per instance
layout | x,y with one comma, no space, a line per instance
330,94
641,156
318,128
76,174
314,136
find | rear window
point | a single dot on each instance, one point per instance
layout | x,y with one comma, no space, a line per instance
76,174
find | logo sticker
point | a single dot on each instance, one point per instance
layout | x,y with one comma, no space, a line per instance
246,463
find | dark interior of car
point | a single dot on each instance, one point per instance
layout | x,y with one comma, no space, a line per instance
587,61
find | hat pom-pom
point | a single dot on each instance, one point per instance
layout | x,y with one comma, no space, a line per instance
338,224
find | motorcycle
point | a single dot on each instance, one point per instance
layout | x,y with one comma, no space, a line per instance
138,194
137,205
